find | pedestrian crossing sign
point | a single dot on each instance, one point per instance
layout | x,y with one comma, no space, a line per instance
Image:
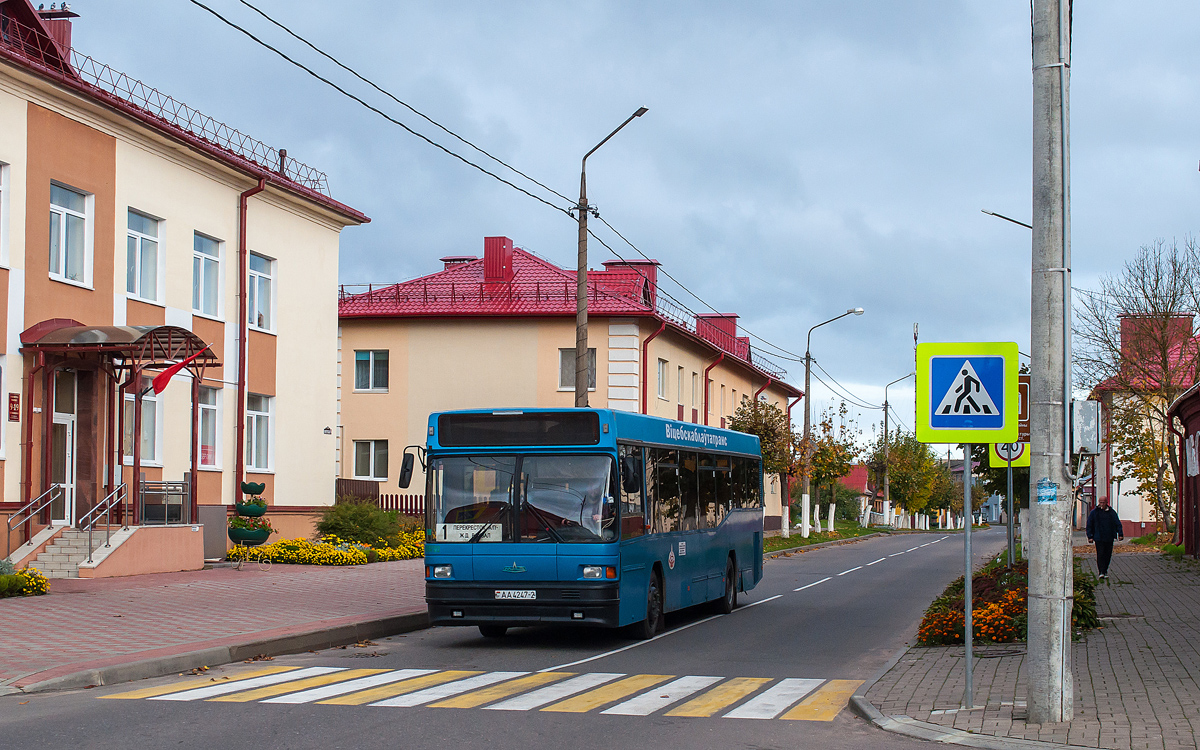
967,392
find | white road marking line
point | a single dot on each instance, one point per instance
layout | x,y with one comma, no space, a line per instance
814,583
877,561
776,700
926,544
551,693
240,685
632,645
935,541
844,572
661,697
350,686
896,554
760,601
914,549
437,692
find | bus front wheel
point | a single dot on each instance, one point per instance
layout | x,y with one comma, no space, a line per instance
492,631
653,623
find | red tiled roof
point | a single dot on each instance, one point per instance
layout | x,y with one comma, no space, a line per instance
538,287
857,479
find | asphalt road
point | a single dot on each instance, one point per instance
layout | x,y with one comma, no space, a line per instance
857,604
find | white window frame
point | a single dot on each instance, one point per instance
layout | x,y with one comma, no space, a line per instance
206,258
663,377
564,354
371,387
373,476
695,390
252,417
252,287
216,410
89,202
151,402
159,256
679,386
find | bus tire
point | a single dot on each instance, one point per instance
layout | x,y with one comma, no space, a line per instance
646,629
492,631
728,602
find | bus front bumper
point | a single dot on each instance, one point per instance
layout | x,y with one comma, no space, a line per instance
558,603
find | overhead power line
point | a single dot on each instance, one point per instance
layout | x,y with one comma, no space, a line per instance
396,99
373,108
779,352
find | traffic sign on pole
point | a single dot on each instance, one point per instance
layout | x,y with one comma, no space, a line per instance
1000,454
967,392
1023,409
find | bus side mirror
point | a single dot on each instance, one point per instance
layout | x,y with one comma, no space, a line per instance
406,470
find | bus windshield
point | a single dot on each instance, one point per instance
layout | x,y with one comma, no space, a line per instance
536,498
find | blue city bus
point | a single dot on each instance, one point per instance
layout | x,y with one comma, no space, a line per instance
586,517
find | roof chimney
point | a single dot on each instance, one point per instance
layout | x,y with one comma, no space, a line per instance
497,260
58,23
451,261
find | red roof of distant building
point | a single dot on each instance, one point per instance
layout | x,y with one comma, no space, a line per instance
857,479
511,282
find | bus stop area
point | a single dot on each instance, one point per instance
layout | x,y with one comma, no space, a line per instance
100,631
1136,678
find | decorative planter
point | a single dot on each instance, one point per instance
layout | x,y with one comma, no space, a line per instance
250,510
248,537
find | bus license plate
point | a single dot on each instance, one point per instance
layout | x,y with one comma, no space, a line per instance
509,594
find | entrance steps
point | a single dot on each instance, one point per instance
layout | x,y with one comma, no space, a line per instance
61,557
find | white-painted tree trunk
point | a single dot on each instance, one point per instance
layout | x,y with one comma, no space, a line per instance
832,515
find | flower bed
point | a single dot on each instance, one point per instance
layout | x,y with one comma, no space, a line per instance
26,582
999,608
332,550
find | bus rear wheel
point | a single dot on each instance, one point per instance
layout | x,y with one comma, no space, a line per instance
492,631
646,629
728,602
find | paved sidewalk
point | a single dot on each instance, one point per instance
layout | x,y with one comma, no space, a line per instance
109,622
1136,679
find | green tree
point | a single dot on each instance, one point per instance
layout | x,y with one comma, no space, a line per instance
770,424
912,470
834,449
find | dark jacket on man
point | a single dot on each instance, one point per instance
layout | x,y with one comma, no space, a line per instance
1103,525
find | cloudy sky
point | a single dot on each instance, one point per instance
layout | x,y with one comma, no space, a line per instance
798,158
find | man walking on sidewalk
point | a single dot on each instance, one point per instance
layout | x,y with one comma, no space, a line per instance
1103,526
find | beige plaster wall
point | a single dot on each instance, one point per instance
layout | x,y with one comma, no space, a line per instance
153,549
14,153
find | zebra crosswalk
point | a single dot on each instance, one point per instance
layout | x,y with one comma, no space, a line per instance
609,693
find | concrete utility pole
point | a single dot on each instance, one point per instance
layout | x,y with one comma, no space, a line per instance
887,484
1048,546
805,506
581,300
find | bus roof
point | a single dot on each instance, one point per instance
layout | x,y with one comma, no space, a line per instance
614,425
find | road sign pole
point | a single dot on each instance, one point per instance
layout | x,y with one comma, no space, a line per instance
1012,539
968,625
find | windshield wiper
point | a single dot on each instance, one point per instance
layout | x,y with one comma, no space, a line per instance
545,524
488,524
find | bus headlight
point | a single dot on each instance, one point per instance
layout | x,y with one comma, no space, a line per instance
442,571
593,571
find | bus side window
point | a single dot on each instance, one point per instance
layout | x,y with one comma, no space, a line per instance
723,475
633,522
665,495
709,512
754,499
689,492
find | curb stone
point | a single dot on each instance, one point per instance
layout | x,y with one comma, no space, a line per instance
818,545
924,730
290,644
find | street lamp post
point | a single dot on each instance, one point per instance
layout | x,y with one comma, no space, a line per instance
804,504
581,312
887,487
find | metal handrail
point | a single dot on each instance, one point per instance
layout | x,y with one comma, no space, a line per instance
29,510
104,509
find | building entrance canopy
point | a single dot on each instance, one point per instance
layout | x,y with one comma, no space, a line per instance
105,366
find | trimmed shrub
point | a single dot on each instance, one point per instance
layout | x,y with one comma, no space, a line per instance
357,521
